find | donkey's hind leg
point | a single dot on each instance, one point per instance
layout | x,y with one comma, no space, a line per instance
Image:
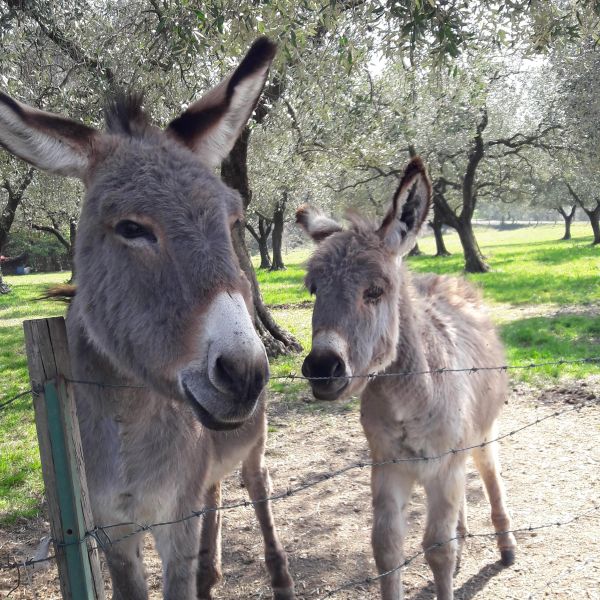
488,464
257,481
124,560
209,562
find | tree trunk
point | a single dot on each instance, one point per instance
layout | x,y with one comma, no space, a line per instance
594,217
277,235
262,239
234,172
440,246
415,250
4,287
263,247
568,218
474,261
71,252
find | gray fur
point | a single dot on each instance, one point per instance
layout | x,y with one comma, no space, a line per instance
144,315
419,323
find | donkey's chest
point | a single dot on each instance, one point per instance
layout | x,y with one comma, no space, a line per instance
409,428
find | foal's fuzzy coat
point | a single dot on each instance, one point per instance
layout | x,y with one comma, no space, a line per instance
372,315
162,309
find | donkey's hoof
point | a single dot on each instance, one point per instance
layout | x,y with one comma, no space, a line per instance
507,557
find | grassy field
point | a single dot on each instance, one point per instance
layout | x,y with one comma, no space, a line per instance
544,295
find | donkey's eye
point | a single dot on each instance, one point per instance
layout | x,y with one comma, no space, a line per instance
131,230
372,294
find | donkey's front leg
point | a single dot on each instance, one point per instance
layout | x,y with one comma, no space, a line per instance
391,487
445,497
124,560
178,546
209,563
257,481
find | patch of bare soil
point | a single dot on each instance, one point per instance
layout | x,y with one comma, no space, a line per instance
551,472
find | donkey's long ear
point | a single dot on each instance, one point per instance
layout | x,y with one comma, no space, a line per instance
315,223
47,141
409,209
211,125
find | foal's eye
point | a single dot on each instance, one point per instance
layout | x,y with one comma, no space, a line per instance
372,294
131,230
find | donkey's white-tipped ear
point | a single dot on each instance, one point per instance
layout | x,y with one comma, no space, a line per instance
211,125
45,140
315,223
409,209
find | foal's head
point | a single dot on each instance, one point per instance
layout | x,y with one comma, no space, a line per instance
160,291
356,276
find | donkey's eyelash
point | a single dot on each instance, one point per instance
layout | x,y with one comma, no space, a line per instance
130,230
372,294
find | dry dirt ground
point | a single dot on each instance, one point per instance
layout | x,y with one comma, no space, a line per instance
551,472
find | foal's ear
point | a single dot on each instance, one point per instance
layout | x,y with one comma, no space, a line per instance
409,209
45,140
211,125
315,223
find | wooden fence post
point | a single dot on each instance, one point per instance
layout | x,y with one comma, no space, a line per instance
62,459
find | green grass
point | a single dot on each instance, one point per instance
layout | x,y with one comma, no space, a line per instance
533,274
21,486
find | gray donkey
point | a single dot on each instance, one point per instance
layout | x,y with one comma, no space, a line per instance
161,304
372,315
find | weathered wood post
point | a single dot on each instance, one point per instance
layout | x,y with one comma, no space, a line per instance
62,459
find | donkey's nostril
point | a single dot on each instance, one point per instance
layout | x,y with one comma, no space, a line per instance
339,369
323,365
244,382
226,370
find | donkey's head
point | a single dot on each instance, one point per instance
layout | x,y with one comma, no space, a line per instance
356,276
160,292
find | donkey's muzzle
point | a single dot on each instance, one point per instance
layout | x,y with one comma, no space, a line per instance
244,384
327,374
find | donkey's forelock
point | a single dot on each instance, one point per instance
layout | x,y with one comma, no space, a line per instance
124,115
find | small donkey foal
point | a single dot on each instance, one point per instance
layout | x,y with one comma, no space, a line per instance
372,315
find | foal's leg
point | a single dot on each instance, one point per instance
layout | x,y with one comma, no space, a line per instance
257,481
209,563
391,488
461,531
124,560
445,496
488,465
178,546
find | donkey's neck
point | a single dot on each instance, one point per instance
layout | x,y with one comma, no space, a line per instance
410,355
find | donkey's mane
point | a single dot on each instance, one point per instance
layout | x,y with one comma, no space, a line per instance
360,223
124,115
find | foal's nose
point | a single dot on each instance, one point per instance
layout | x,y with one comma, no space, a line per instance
323,364
242,381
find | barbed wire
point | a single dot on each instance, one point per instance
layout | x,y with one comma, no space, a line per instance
101,536
100,533
408,561
8,402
